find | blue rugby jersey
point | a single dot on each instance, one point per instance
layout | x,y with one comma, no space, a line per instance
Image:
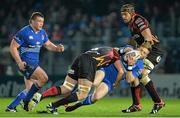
30,43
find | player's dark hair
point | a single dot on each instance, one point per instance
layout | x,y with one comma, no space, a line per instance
128,8
34,15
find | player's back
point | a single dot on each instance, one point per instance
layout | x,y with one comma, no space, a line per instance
104,55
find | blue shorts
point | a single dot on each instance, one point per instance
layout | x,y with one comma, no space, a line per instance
29,69
110,75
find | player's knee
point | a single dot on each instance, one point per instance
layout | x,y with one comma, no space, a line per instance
96,97
83,91
65,90
44,79
145,80
95,85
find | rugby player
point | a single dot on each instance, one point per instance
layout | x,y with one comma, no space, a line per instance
82,73
25,48
133,64
141,33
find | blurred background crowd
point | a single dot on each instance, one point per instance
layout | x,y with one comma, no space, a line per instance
84,24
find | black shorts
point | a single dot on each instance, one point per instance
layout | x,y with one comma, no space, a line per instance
156,54
84,66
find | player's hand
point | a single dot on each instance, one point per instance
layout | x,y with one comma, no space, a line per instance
22,65
60,48
116,84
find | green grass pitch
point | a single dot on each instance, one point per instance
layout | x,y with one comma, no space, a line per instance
107,107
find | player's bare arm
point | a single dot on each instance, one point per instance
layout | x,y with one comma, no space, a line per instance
52,47
14,52
120,73
148,36
129,76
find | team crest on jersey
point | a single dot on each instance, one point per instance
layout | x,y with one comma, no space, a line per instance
31,37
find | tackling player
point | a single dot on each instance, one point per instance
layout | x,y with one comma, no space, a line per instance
25,48
82,73
133,66
141,32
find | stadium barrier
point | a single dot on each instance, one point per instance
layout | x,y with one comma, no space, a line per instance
167,85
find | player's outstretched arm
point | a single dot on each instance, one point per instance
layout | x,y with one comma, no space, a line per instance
52,47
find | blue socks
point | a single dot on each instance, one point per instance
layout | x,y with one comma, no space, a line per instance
18,99
87,101
32,91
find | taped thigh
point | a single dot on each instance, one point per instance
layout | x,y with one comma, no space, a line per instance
68,85
83,88
148,65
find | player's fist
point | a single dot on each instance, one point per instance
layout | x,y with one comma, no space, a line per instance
116,84
22,65
60,48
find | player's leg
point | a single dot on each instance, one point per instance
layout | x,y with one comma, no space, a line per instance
84,86
100,74
12,106
41,78
135,91
69,83
98,94
148,83
108,76
98,86
66,88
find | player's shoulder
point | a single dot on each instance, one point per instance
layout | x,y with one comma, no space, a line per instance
25,28
139,19
43,31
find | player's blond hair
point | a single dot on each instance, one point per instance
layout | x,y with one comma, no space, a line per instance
147,45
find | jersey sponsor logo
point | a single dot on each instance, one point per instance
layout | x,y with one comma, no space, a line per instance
37,43
31,46
31,37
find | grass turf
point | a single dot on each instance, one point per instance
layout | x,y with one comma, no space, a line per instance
108,107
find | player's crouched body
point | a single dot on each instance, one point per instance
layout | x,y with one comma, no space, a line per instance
82,75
